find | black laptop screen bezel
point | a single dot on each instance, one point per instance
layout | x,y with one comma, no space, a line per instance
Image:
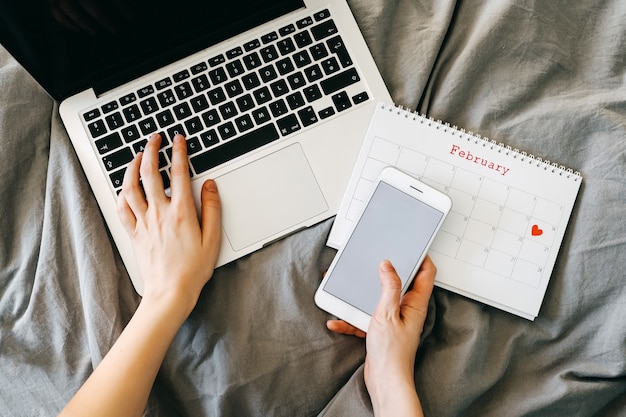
66,59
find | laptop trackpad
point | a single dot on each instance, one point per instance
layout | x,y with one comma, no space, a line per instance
268,196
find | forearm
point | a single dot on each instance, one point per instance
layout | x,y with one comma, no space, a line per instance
121,384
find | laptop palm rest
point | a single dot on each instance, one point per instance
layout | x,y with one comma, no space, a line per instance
269,196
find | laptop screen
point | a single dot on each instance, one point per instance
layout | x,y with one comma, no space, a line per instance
71,45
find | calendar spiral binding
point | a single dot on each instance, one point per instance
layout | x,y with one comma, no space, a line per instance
478,139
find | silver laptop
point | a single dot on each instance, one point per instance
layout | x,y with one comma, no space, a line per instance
273,96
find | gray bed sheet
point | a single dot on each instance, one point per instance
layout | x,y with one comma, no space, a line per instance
545,77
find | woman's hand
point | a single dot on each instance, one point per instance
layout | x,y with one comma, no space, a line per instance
392,340
175,252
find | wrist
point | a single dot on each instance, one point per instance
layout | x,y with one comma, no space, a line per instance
394,394
174,304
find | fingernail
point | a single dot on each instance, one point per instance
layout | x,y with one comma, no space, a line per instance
154,136
179,138
386,266
210,185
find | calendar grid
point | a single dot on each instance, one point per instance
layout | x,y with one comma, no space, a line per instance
491,225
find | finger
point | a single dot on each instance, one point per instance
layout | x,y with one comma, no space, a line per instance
132,194
149,170
419,294
391,288
181,183
340,326
211,218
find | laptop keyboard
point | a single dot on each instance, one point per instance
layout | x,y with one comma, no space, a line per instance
235,102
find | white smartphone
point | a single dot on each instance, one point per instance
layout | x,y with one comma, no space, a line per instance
399,222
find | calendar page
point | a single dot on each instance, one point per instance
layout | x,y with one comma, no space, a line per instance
510,210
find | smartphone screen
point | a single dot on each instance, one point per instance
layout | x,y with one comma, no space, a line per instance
394,226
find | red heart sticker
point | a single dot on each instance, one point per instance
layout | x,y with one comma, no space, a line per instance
536,231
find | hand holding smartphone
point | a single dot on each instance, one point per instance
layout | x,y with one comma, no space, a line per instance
398,222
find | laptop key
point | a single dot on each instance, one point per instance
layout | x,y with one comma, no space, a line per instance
200,83
166,98
179,76
165,118
176,130
262,95
233,88
268,73
324,30
302,23
284,31
279,88
326,113
261,115
253,44
182,111
209,138
307,116
341,101
109,107
92,114
211,118
130,133
164,83
193,125
218,75
149,105
269,53
114,120
234,68
324,14
118,159
288,124
270,37
216,96
295,100
252,61
117,178
239,146
97,128
245,103
233,53
318,51
108,143
303,39
127,99
227,130
360,98
285,46
147,126
339,81
183,91
216,60
313,73
146,91
132,113
199,103
198,68
312,93
337,46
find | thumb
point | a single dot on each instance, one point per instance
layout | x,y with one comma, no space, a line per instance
391,288
211,214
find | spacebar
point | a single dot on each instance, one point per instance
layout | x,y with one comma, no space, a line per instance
234,148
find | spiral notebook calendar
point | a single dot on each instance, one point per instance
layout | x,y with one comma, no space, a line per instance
509,213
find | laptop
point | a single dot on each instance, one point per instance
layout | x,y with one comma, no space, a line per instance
273,96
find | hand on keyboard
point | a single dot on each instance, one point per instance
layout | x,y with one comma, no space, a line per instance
175,252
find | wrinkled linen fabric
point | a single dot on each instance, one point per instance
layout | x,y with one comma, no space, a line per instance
547,78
